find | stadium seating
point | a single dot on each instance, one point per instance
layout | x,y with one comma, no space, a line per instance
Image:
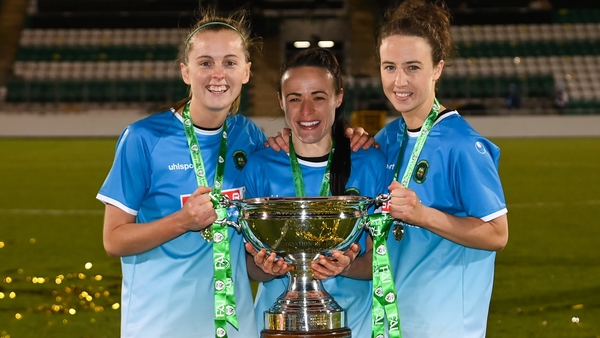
98,66
534,57
133,60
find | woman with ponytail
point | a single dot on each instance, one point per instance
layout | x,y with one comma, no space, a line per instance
320,158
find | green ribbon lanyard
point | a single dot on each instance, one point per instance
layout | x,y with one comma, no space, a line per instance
384,289
225,310
410,167
297,172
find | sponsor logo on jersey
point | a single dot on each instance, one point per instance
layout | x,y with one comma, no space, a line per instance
240,159
181,166
385,207
233,194
421,171
352,191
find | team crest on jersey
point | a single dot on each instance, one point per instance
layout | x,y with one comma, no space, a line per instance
240,159
352,191
421,171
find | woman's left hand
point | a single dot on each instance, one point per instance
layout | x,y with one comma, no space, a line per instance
325,267
280,141
359,138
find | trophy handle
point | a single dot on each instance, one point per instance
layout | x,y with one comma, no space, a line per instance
222,201
233,209
226,222
380,199
377,201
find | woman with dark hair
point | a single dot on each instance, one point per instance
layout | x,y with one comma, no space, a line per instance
446,191
320,163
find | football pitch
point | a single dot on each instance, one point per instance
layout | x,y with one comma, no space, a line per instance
57,281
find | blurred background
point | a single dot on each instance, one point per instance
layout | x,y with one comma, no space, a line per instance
513,56
526,75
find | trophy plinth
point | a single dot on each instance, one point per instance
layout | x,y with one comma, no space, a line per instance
337,333
299,229
305,306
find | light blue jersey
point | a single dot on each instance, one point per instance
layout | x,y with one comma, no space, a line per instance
269,174
444,288
168,291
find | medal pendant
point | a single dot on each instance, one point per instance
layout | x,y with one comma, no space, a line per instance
207,233
398,231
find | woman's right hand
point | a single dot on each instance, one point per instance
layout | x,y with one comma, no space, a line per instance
198,211
270,264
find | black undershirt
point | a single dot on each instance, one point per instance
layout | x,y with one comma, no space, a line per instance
318,159
446,111
207,129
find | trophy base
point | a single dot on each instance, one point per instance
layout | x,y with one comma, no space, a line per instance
334,333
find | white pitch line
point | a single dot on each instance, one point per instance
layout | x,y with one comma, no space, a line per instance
52,212
551,204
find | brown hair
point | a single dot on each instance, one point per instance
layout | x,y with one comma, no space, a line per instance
419,18
210,20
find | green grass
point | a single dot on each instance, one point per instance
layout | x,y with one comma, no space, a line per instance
51,226
550,270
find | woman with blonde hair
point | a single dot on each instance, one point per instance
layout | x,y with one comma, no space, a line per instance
182,276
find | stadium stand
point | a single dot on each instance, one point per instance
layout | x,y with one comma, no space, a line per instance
111,51
102,61
504,43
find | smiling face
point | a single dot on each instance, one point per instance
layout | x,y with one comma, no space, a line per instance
309,100
216,69
408,75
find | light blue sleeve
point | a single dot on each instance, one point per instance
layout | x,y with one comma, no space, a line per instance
476,179
129,178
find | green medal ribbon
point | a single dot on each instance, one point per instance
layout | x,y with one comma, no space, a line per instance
384,290
297,172
385,303
225,310
425,129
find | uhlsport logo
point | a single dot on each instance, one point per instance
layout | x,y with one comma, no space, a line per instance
181,166
421,171
240,159
480,148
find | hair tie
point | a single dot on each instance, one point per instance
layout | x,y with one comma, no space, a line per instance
211,24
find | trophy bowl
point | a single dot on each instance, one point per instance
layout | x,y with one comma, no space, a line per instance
299,229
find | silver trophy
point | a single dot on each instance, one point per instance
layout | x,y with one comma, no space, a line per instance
299,229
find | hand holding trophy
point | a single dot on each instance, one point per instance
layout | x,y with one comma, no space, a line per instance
301,230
